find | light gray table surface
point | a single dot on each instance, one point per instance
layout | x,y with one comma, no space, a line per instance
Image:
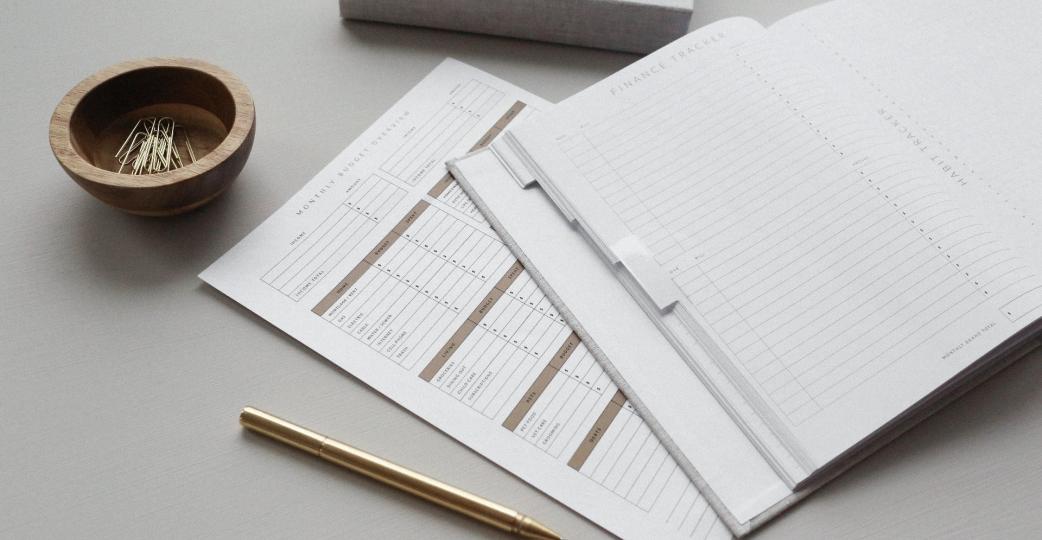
121,374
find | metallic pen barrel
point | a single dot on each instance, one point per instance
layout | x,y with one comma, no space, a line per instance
394,475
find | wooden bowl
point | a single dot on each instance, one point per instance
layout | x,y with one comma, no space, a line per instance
93,120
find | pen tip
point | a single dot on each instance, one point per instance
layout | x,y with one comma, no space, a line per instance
531,528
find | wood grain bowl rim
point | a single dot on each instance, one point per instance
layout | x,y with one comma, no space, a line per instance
67,155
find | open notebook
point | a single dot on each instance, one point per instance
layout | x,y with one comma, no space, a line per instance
791,243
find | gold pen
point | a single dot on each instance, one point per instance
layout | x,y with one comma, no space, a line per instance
397,476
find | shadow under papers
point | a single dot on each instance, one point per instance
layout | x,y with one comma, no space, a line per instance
1004,404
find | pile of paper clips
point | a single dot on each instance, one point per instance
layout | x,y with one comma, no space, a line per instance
151,147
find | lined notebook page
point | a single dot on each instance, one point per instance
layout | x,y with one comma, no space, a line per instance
988,51
831,267
984,53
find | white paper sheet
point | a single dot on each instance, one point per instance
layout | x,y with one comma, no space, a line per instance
747,188
766,212
384,266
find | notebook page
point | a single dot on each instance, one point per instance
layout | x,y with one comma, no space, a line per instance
829,268
382,265
915,63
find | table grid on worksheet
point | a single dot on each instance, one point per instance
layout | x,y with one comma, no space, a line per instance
366,203
402,297
431,140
